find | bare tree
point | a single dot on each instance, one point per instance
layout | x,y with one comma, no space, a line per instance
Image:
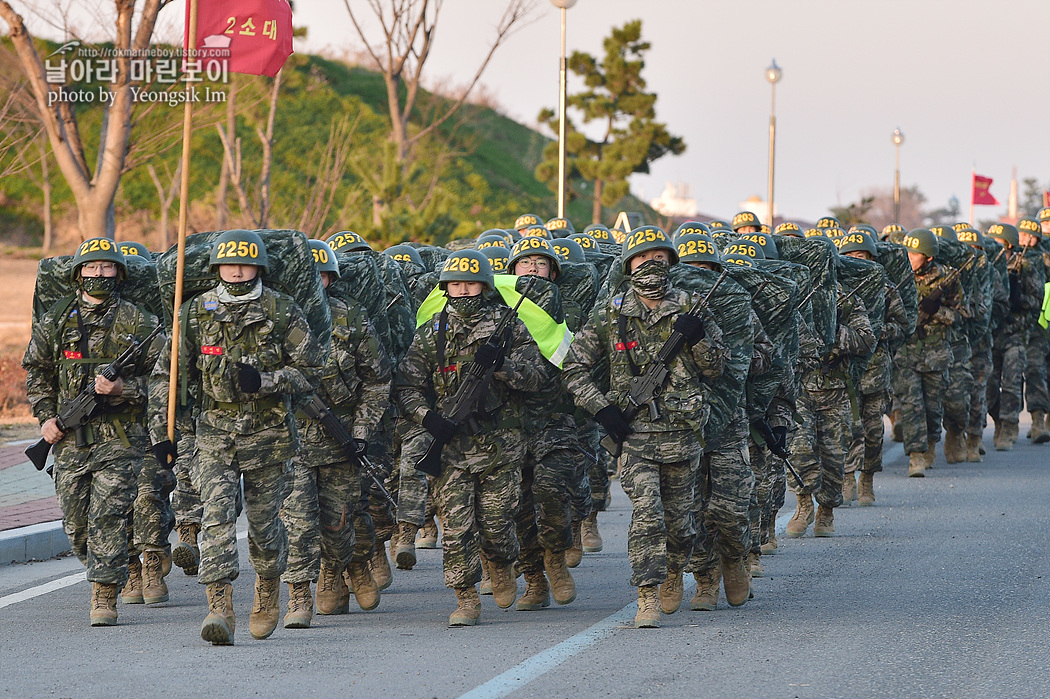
332,165
166,196
221,208
94,188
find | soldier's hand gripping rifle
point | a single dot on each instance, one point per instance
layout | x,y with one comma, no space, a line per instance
462,406
933,299
76,413
316,409
647,386
777,447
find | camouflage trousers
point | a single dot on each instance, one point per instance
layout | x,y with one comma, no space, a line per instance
415,496
722,507
186,499
958,389
545,515
865,451
818,447
477,518
152,518
980,367
319,517
1035,385
662,531
1005,382
762,494
95,498
384,516
921,410
222,464
597,471
364,527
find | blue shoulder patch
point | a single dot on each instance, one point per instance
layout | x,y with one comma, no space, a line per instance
617,300
210,305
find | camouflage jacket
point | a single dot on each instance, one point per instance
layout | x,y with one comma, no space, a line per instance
1031,278
853,337
422,378
355,384
877,377
928,349
57,370
269,333
683,404
551,405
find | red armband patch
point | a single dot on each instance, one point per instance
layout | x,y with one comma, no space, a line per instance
451,367
70,354
629,346
210,349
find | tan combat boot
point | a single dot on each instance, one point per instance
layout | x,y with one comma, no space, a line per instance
648,616
563,587
380,566
1003,441
589,536
219,625
931,454
916,465
486,577
333,596
707,589
849,488
736,580
428,535
405,550
504,584
574,554
770,547
300,606
537,593
755,565
187,554
266,609
866,489
803,516
671,592
154,589
1040,433
469,610
973,449
132,592
897,429
103,604
825,525
954,447
366,589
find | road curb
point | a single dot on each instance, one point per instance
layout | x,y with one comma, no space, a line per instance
37,541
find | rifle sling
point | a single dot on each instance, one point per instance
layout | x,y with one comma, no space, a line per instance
621,326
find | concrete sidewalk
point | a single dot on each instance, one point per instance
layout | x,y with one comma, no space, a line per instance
30,518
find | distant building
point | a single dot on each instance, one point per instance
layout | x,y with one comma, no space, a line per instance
676,201
756,205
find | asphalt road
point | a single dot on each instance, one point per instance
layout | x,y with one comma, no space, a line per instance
941,589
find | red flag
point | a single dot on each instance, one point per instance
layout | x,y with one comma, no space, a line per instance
1046,198
982,196
255,36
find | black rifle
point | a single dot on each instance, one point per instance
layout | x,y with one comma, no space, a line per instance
76,413
316,409
646,387
462,406
766,433
938,291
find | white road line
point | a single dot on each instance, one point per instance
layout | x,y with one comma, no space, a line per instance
38,590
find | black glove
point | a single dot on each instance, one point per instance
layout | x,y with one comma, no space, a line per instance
930,305
1015,292
442,428
248,378
360,447
780,440
612,419
165,453
489,355
691,327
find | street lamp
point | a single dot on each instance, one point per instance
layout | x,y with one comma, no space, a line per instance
773,75
898,139
563,5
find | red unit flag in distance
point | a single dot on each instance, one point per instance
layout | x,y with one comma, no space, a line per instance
256,35
982,195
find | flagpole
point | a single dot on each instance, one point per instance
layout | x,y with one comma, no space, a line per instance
973,183
184,195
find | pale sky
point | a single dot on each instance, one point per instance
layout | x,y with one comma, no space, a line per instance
960,78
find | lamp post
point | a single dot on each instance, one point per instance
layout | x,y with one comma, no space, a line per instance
563,5
898,139
773,75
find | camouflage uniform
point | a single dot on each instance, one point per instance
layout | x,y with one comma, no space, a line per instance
1009,353
922,364
865,453
96,484
762,359
661,458
355,385
819,446
479,489
239,434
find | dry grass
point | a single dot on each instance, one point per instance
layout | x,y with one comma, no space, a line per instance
13,402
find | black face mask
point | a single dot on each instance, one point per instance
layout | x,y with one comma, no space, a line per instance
649,280
466,306
98,287
239,288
